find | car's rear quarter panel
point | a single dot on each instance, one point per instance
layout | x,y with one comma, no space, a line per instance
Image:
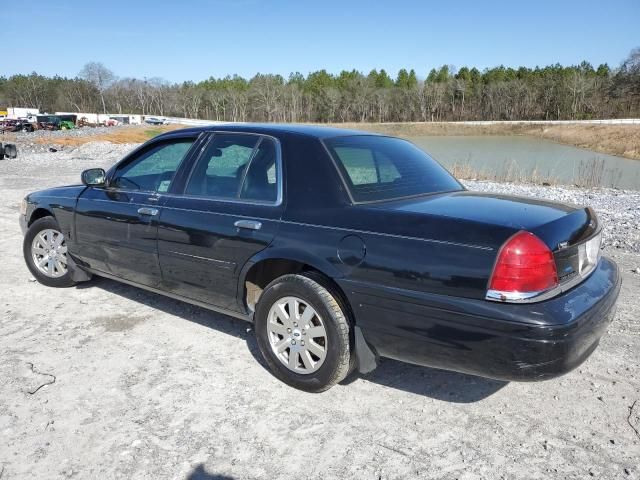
503,341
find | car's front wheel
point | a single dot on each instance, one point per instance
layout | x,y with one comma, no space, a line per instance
303,333
45,251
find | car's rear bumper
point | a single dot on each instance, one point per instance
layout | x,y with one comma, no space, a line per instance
519,342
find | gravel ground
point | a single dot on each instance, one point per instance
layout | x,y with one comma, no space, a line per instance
26,141
139,386
74,132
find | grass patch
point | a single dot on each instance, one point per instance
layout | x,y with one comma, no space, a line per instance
590,174
154,132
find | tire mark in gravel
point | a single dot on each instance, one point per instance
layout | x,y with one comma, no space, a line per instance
33,370
631,409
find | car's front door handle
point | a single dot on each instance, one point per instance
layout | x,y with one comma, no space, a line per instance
148,211
248,224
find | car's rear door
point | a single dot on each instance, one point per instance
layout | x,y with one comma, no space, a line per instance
228,210
116,226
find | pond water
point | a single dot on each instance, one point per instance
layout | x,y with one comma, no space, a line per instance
515,158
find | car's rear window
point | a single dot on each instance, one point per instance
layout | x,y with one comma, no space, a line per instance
384,168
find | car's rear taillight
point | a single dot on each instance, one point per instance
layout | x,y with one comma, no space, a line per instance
524,269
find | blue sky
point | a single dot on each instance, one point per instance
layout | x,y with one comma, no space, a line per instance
195,39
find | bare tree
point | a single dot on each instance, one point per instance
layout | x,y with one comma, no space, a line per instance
79,94
100,77
267,93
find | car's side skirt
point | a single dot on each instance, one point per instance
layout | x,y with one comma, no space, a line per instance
231,313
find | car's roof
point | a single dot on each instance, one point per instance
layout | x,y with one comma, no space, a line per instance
277,128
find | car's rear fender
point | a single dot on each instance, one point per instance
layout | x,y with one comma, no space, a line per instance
285,253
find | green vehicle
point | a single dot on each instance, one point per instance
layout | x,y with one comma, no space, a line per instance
67,122
54,122
66,125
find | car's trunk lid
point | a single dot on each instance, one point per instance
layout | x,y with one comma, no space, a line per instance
565,229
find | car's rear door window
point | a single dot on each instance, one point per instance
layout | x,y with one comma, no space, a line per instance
221,166
236,166
261,180
380,168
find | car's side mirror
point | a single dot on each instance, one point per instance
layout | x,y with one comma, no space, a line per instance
94,177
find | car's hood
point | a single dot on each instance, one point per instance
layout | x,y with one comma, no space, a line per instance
469,214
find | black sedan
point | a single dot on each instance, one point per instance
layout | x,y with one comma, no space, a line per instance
341,247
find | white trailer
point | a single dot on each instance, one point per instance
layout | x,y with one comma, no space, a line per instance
104,117
21,112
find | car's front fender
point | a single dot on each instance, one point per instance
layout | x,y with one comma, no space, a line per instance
59,203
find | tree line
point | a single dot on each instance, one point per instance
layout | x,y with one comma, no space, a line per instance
553,92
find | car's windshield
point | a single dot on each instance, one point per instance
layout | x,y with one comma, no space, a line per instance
384,168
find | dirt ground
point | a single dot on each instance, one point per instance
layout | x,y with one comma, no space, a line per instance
107,381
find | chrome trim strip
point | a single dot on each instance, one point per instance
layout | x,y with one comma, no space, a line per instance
209,212
223,264
221,200
134,204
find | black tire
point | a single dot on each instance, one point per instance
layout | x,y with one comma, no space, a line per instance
36,227
10,150
339,351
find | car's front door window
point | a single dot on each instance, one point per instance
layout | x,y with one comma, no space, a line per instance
154,169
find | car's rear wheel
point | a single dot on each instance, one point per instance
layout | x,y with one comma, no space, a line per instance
303,333
45,251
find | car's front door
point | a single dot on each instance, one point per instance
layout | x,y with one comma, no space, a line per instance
116,226
228,210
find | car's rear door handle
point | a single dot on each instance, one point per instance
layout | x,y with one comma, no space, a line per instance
148,211
249,224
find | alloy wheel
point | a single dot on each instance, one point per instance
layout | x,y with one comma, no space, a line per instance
49,253
297,335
